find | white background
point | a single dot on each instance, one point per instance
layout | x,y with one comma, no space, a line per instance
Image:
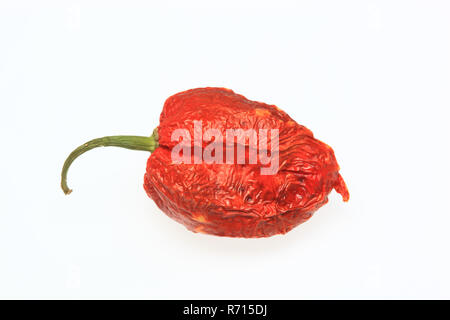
369,78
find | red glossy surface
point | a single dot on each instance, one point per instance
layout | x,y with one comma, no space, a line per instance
235,200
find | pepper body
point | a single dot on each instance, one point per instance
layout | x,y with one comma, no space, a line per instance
236,200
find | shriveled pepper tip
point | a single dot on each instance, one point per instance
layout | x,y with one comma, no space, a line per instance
341,188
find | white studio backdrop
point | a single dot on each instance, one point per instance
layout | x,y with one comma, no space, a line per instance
369,78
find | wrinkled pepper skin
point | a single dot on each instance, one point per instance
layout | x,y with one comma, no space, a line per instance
235,200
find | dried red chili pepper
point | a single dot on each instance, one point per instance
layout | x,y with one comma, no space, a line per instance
234,200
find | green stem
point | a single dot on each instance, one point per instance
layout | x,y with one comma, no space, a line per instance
128,142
